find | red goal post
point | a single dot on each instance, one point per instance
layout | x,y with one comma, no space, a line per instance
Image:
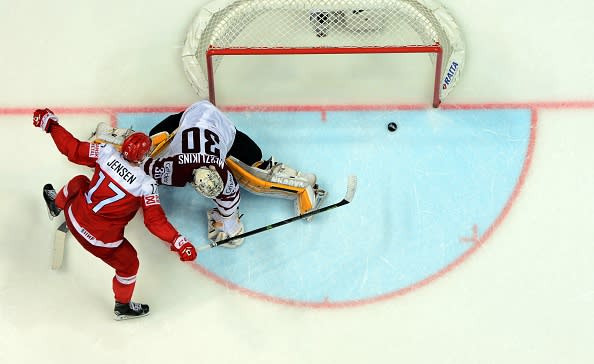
285,27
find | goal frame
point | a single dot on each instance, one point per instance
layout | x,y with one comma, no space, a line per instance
212,52
214,35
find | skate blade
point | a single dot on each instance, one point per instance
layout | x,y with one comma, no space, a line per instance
128,317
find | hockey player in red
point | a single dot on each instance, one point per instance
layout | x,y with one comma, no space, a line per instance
98,210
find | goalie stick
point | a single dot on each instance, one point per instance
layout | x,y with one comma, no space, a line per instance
351,187
58,248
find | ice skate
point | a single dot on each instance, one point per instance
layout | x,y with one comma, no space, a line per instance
125,311
320,196
49,195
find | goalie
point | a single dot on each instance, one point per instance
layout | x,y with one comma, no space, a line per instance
201,146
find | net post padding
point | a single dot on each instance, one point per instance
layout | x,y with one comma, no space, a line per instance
258,27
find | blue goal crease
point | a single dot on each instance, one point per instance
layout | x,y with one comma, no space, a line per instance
441,175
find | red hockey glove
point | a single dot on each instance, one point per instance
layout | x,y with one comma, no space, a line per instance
184,248
44,119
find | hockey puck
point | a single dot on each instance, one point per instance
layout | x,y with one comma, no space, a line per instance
392,126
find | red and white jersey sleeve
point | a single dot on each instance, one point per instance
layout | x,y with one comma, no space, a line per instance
79,152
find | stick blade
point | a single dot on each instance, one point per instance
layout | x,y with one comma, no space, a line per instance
58,247
351,188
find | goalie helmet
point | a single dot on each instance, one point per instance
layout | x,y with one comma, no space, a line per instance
136,147
207,182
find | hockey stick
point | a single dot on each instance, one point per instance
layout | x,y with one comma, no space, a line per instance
351,187
58,248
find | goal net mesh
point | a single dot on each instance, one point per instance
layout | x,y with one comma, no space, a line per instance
257,25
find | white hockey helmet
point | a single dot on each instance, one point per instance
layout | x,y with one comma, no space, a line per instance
207,181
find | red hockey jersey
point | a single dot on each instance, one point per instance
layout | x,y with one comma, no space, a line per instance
118,189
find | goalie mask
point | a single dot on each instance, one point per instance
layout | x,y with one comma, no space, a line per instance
207,181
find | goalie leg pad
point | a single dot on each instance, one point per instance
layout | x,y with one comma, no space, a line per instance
222,227
283,174
297,186
255,180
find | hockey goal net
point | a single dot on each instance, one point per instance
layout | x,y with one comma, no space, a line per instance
286,27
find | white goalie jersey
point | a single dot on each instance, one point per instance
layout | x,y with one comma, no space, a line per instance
203,129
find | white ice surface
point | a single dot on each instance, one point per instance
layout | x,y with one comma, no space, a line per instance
526,297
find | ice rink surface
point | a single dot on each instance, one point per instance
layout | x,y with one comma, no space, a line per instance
509,152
